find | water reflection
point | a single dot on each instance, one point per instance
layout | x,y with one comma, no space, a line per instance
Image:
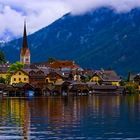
14,119
95,117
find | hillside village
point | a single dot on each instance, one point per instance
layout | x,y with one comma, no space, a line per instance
60,77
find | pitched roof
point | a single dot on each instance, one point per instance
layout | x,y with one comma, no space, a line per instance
3,69
40,64
22,70
22,85
108,75
63,64
106,87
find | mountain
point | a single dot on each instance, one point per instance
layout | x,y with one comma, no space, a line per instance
97,39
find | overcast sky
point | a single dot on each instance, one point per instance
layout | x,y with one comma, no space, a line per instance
40,13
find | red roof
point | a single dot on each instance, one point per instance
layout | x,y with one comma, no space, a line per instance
64,64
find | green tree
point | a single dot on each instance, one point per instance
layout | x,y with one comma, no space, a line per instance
131,88
2,80
109,68
13,68
51,59
2,58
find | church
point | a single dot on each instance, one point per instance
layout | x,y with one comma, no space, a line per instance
25,52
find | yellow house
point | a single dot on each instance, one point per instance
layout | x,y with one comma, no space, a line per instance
3,75
95,78
19,77
3,72
116,83
106,77
139,87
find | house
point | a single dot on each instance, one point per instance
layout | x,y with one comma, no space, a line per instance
36,77
106,77
96,77
107,89
63,65
24,89
40,65
77,77
78,88
19,76
53,77
3,71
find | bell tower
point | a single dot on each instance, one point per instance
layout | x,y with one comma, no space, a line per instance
25,52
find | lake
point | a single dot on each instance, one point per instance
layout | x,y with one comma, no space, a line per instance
71,118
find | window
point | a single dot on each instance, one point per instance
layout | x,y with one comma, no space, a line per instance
19,79
25,79
14,79
19,73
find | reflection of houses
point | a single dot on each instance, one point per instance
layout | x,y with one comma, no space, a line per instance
107,77
15,113
21,113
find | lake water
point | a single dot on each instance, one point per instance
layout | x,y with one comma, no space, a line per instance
93,117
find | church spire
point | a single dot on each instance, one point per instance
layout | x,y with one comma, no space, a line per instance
25,42
25,52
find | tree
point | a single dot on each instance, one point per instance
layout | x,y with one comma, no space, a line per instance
2,58
2,80
131,88
13,68
16,66
129,76
51,59
109,68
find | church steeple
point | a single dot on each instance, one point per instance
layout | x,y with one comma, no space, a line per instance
25,42
25,52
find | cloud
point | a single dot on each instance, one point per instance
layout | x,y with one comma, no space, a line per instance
81,6
40,13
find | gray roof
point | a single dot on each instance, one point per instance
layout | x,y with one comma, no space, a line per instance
108,75
4,69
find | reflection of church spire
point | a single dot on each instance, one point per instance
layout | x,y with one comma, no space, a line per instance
25,52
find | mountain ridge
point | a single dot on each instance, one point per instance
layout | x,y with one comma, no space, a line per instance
97,39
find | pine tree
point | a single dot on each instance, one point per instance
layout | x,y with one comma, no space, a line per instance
2,58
